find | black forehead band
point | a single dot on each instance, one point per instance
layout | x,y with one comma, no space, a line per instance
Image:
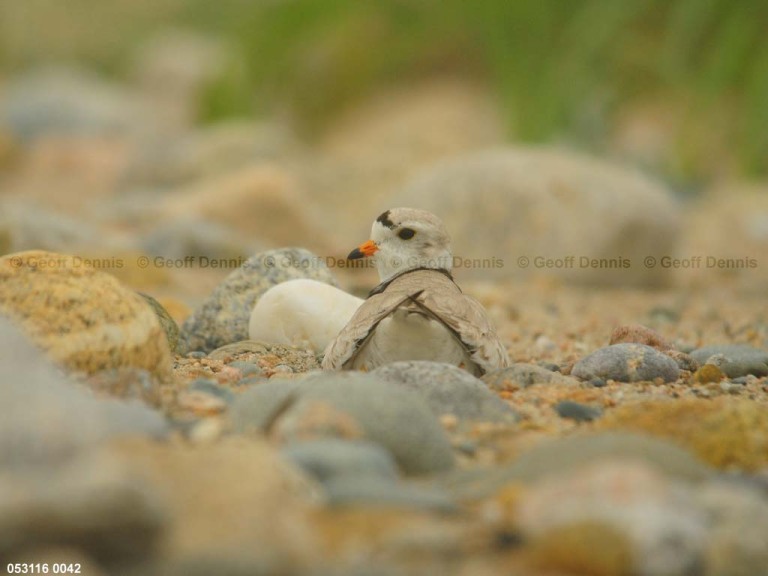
385,221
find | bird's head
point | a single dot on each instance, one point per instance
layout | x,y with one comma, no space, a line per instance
406,238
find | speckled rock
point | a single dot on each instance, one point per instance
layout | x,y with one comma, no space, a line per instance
398,420
522,375
627,363
447,389
638,334
223,317
45,420
83,318
169,325
738,359
539,204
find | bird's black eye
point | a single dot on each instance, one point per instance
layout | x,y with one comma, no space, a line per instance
407,233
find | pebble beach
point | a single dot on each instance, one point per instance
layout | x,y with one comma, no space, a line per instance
143,432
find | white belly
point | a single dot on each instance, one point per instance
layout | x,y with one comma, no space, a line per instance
410,336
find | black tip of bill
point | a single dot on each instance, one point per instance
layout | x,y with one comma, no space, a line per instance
355,254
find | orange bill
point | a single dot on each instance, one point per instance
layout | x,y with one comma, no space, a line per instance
367,249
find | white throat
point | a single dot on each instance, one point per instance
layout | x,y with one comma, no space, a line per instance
390,264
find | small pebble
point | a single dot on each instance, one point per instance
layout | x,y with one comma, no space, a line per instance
627,362
551,366
577,411
247,368
708,373
250,381
206,431
201,403
282,369
598,382
210,387
196,355
731,388
467,447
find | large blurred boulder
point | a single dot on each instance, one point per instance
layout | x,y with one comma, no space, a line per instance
66,102
263,202
513,209
375,147
727,230
206,152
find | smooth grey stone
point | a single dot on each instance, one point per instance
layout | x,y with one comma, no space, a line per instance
327,459
522,375
372,491
212,388
627,363
577,411
740,359
560,456
397,419
447,389
46,419
247,368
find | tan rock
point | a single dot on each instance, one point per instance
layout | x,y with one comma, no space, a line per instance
83,318
375,147
236,498
725,237
520,211
263,201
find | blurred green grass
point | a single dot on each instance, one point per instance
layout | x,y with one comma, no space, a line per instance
562,70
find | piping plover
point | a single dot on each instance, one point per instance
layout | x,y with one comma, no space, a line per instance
417,312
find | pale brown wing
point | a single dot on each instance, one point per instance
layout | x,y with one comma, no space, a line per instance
353,337
465,317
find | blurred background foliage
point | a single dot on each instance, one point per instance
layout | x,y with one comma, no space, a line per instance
562,71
